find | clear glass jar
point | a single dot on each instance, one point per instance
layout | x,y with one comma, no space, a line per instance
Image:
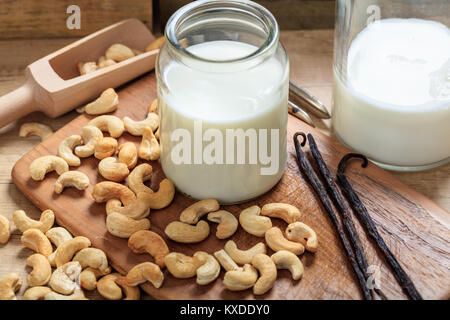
392,81
223,91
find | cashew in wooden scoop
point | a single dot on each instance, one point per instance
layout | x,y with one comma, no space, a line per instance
241,278
300,232
4,230
86,67
9,285
287,260
35,129
76,179
227,223
91,135
243,256
42,271
23,222
107,102
186,233
252,222
109,123
276,241
42,165
35,240
119,52
144,272
65,150
195,211
284,211
144,241
267,271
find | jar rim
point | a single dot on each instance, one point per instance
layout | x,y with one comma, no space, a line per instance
248,6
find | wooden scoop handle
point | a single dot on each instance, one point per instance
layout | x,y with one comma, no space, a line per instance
17,104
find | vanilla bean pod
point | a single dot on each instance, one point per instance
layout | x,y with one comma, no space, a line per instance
343,209
322,194
365,219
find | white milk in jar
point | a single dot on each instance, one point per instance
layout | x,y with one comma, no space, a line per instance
393,104
223,134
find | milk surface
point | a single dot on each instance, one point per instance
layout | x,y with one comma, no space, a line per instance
394,104
239,98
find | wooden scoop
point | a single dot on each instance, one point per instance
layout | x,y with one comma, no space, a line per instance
53,84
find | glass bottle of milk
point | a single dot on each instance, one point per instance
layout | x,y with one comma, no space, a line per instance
392,81
223,92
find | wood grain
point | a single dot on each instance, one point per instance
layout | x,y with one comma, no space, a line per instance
47,19
414,227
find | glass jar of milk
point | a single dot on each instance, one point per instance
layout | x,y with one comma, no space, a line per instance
392,81
223,93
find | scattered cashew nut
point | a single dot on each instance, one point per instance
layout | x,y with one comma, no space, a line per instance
89,276
145,241
131,293
182,266
93,258
36,293
276,241
194,212
300,232
209,271
185,233
112,170
153,107
36,240
64,278
58,235
109,123
243,256
65,252
119,52
107,102
225,260
284,211
107,190
136,128
42,271
9,285
149,148
268,273
35,129
138,176
76,295
42,165
128,154
65,150
123,227
108,288
23,222
241,278
227,223
105,147
90,135
252,222
75,179
161,198
287,260
143,272
4,230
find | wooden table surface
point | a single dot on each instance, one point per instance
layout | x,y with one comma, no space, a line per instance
310,54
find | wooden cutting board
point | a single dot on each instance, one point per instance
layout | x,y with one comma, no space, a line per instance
415,228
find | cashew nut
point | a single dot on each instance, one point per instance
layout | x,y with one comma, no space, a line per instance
65,252
123,227
89,276
64,279
107,102
58,235
108,288
148,241
35,129
9,285
276,241
136,210
243,256
195,211
107,190
149,148
86,67
23,222
42,165
105,147
138,176
284,211
136,128
209,271
131,293
37,241
65,150
287,260
4,230
75,179
103,62
227,223
186,233
109,123
268,273
182,266
144,272
76,295
42,271
225,260
90,135
93,258
128,154
36,293
300,232
253,223
241,278
119,52
156,44
112,170
153,107
161,198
